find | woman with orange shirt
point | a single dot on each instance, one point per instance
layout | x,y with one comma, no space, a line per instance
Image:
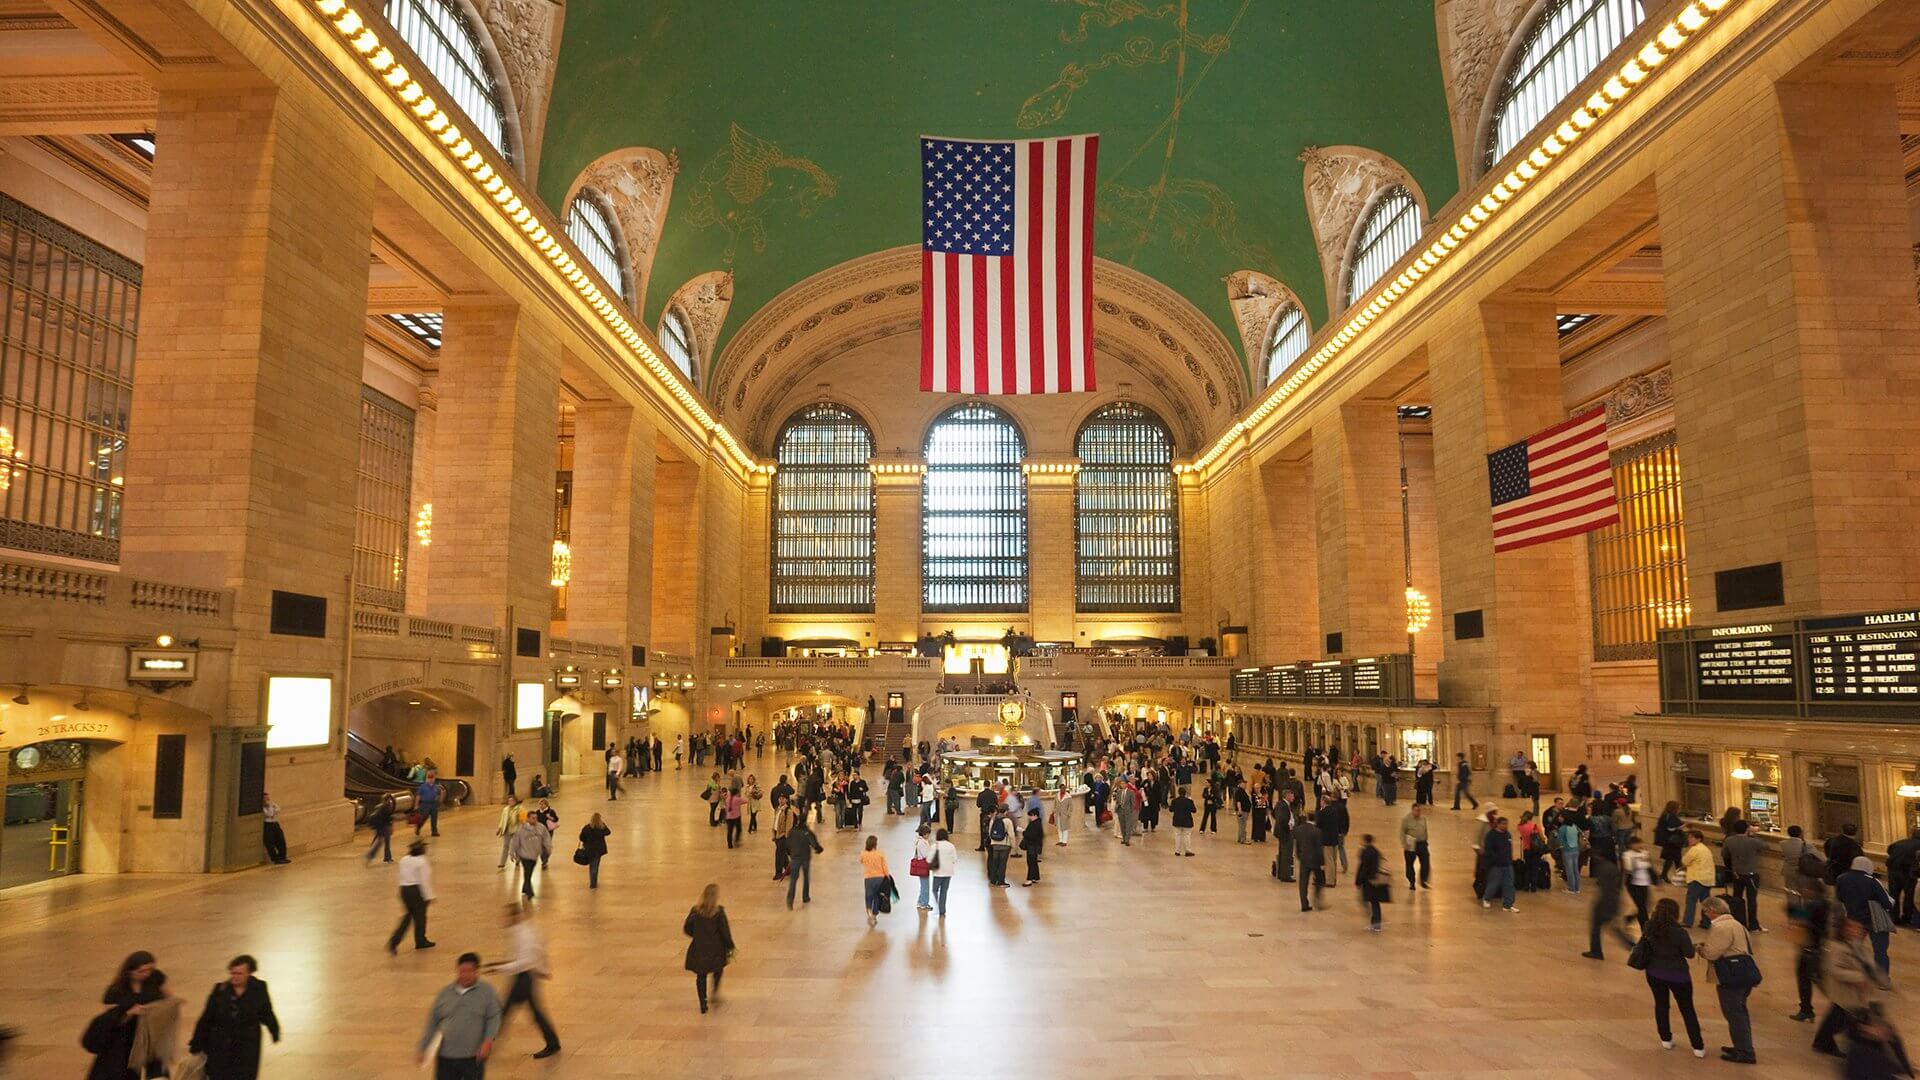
873,867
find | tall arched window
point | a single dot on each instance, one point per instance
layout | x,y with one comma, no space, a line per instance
1287,341
592,230
439,34
1566,44
974,513
676,337
1389,231
1127,545
823,513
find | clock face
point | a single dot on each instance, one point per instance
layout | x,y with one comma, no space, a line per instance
1011,712
26,758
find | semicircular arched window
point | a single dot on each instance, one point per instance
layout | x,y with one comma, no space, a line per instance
973,510
592,230
1126,540
441,35
822,558
1390,230
1288,340
676,338
1566,43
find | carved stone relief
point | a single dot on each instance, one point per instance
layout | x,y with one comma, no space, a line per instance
637,183
1639,396
1256,298
526,34
1341,183
1474,35
705,300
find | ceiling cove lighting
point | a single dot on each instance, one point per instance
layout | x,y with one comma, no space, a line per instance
1624,82
370,49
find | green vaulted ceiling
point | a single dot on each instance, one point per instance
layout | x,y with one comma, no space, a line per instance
795,123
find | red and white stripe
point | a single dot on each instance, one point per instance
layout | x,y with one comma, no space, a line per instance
1570,475
1020,323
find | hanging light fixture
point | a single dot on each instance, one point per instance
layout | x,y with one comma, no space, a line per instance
1741,772
1908,791
1626,758
562,564
1419,610
423,525
8,455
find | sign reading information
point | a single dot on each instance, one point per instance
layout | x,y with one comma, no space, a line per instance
1756,664
1843,666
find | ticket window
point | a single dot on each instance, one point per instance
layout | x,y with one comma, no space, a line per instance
1909,797
1837,805
1416,746
1760,795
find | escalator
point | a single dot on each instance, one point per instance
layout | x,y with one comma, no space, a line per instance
368,783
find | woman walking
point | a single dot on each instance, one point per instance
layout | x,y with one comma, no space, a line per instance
114,1036
921,867
873,868
711,943
940,868
1663,953
1372,879
735,804
754,797
593,844
228,1031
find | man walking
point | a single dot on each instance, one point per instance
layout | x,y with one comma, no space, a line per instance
614,765
1605,913
526,962
427,802
1413,841
415,876
802,845
1463,782
1312,857
466,1016
1286,812
531,843
782,825
1726,938
1743,866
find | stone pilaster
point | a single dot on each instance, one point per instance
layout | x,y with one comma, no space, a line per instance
1286,578
897,481
1362,549
677,549
1495,374
1051,567
1423,552
610,597
493,464
1795,339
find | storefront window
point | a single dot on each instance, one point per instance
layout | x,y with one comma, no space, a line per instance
1760,796
1416,746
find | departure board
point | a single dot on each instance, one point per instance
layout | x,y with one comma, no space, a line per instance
1864,657
1374,680
1328,681
1745,663
1369,679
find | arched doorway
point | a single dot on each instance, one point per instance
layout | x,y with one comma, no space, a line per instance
444,730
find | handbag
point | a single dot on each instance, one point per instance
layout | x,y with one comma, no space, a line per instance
580,856
1737,971
191,1067
1880,922
917,867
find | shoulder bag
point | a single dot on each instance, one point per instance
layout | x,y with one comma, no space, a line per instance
1738,970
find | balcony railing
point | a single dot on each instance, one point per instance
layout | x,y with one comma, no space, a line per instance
377,623
61,584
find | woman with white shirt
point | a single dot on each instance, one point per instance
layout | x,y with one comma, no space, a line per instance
922,861
940,867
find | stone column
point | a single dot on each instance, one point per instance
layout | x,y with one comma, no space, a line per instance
1495,374
1051,569
677,525
1362,547
756,561
246,407
610,597
493,463
1795,341
1423,552
897,482
1286,577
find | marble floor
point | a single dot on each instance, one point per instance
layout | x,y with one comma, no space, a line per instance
1126,962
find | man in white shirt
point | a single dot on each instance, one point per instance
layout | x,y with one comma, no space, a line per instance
526,961
415,875
614,765
271,834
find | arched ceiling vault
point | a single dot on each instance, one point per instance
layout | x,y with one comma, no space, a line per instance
1154,335
798,124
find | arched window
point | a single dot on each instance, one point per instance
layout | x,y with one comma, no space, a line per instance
592,230
676,337
974,513
1287,341
1566,44
1389,231
1126,542
823,513
439,34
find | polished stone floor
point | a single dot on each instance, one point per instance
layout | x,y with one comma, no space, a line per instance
1126,962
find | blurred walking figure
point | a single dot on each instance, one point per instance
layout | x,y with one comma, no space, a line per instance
415,875
710,943
526,962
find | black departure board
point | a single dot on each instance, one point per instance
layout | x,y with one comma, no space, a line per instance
1325,682
1375,680
1367,679
1871,658
1746,663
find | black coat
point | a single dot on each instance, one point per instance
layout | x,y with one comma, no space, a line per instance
1307,847
115,1043
228,1031
1369,869
712,940
1333,821
594,841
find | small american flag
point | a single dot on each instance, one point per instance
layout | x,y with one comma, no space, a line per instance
1006,265
1557,483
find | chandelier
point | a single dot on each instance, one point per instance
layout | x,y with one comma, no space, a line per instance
1419,610
562,564
423,525
8,455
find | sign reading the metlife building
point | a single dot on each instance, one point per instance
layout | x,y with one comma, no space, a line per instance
1865,657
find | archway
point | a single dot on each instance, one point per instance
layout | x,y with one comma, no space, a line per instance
439,729
1150,708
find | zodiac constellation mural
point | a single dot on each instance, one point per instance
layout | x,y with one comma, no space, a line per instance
745,185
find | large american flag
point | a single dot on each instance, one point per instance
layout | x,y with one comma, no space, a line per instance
1006,265
1557,483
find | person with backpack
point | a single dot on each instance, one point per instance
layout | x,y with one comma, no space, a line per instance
1867,903
999,848
986,803
1728,950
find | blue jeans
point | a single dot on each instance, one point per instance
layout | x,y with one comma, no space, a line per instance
429,816
1499,883
1570,866
593,874
794,874
926,890
876,887
1697,893
940,887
